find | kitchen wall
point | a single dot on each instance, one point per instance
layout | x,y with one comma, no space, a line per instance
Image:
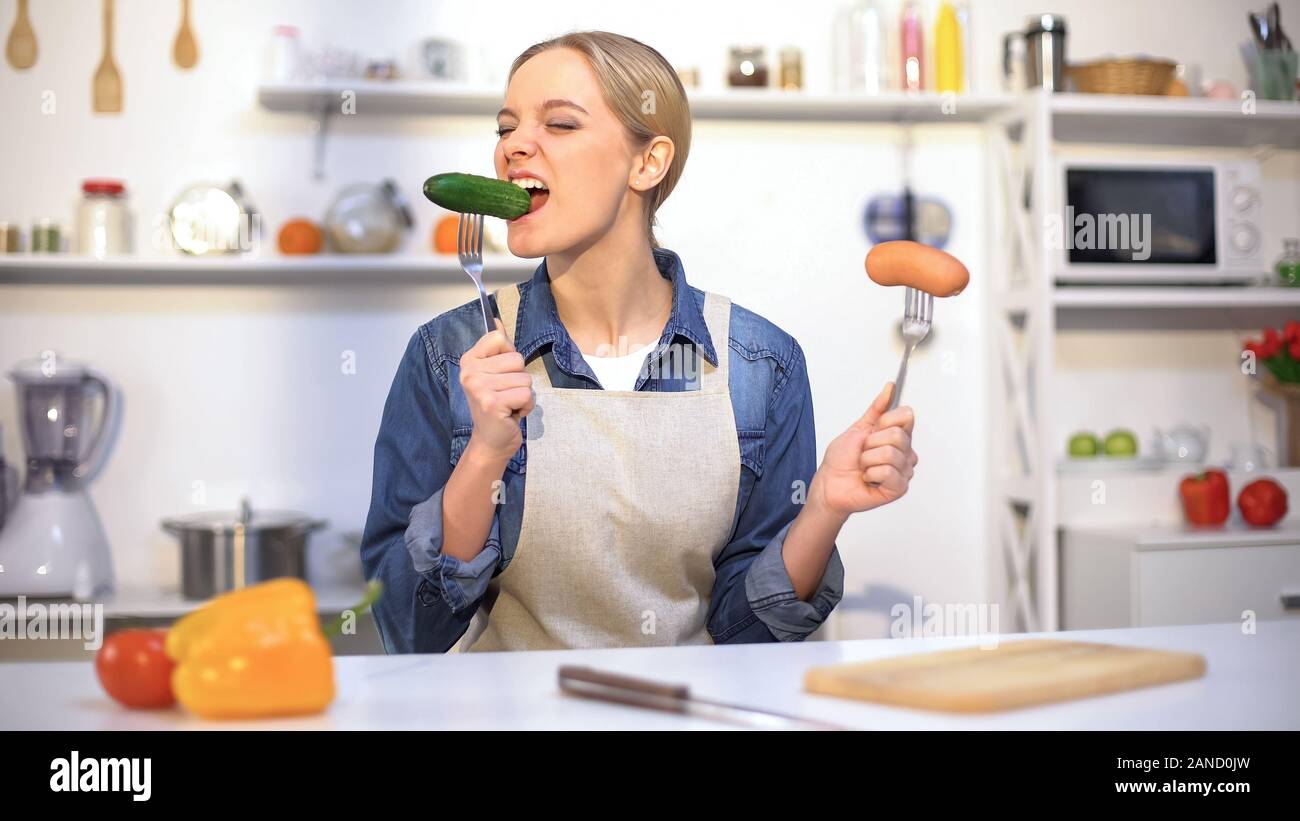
238,390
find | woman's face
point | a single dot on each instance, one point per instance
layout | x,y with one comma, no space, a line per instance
556,128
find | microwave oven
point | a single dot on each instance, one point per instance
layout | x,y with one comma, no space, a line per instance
1159,222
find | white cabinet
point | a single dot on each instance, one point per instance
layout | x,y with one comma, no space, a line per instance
1144,577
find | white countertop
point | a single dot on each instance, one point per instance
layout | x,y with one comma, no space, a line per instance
1251,683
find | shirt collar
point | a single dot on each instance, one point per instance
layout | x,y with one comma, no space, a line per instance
539,320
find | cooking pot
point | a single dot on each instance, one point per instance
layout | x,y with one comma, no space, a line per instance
222,551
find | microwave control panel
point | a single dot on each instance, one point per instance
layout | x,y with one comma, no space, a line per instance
1242,220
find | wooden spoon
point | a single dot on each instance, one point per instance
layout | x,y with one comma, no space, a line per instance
107,84
20,51
185,52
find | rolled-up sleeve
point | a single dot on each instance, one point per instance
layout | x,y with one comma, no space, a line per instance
461,583
428,598
753,596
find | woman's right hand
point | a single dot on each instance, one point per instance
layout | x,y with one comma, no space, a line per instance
497,386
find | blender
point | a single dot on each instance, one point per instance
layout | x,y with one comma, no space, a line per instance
52,544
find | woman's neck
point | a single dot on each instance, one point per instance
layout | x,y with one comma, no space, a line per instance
610,294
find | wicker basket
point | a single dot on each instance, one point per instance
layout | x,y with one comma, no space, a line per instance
1129,76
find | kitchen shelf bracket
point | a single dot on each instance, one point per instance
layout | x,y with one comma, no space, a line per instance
324,110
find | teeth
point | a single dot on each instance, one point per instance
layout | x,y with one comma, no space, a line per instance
529,182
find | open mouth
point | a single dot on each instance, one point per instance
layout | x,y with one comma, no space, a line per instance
537,192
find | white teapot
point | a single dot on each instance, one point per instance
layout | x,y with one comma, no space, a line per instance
1185,443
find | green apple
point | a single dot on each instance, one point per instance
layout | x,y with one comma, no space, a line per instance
1121,443
1083,445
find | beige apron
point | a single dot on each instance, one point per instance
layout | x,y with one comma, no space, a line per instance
629,497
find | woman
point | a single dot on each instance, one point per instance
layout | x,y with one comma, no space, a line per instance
533,491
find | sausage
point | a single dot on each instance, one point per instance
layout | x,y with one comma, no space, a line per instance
903,262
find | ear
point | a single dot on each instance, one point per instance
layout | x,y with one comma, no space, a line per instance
652,165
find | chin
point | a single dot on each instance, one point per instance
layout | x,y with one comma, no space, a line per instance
532,239
524,246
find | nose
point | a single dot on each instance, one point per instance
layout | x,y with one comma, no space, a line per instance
517,145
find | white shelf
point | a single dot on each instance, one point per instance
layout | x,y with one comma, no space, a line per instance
428,98
1105,118
1083,296
1233,533
766,104
1113,466
382,97
1126,118
251,270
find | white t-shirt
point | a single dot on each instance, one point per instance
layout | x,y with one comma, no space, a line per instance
619,373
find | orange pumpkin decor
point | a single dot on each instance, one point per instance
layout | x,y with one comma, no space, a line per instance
444,235
301,236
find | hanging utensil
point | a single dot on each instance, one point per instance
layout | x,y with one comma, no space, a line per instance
185,51
1280,40
107,85
20,50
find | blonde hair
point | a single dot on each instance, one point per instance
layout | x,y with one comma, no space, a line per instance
643,91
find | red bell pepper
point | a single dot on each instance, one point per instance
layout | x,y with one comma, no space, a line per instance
1206,502
1262,503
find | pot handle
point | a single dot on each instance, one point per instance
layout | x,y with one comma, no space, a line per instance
97,454
311,525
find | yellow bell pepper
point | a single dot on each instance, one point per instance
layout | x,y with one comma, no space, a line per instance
252,653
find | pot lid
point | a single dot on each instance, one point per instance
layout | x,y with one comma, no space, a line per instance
1041,23
101,185
225,521
48,368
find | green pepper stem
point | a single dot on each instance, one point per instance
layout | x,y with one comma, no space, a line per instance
373,591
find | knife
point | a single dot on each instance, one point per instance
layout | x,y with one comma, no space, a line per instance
586,682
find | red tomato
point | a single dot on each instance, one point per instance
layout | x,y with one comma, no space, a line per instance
134,670
1262,503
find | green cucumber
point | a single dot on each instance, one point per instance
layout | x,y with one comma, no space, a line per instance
471,194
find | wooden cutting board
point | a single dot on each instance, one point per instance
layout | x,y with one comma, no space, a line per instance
1013,674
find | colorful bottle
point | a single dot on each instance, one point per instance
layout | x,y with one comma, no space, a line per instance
913,48
948,63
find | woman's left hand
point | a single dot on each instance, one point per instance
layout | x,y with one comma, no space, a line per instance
871,463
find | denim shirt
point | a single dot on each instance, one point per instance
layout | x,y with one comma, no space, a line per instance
429,597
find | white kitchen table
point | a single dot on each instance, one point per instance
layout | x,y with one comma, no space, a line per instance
1252,682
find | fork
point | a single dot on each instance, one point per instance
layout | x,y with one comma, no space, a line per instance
469,248
918,310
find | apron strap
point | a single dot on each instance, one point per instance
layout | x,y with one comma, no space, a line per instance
508,304
717,318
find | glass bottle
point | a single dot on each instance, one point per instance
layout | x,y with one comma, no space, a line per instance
1288,265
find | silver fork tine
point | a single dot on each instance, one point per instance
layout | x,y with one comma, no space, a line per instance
469,250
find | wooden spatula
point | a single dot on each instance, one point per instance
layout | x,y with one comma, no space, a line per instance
20,50
107,85
185,52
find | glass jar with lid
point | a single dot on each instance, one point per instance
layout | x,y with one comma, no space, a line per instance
368,218
747,67
103,220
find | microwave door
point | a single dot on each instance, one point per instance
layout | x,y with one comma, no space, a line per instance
1133,217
